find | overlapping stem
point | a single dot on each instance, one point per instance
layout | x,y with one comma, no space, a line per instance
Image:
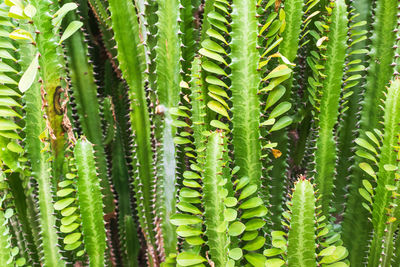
132,59
388,156
53,79
245,81
325,154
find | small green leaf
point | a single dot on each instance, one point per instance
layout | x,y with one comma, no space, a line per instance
68,220
20,262
191,175
63,203
275,82
6,68
14,251
65,192
230,215
218,108
212,55
279,110
236,229
323,232
219,99
254,224
213,68
274,262
368,169
60,14
368,186
256,212
68,211
217,90
248,191
251,203
191,183
249,235
187,192
242,182
69,228
390,187
230,201
366,155
213,33
6,125
17,12
272,252
333,239
184,219
390,167
70,30
14,147
255,244
213,46
189,259
217,16
30,11
220,125
235,254
215,81
73,246
181,141
187,207
365,194
363,143
12,3
274,96
281,70
327,251
255,259
8,213
20,34
279,243
29,75
268,123
72,238
281,123
339,254
5,79
187,231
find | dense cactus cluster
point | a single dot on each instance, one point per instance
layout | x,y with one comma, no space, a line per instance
199,133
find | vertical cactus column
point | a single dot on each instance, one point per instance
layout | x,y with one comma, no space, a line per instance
245,80
168,77
386,177
84,91
325,154
132,60
52,77
380,70
90,203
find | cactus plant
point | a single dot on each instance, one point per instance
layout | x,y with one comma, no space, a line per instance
199,133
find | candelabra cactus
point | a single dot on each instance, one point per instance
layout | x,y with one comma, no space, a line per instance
199,133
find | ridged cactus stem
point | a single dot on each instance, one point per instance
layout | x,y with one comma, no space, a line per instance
388,156
124,21
301,236
168,75
90,203
52,78
245,83
325,154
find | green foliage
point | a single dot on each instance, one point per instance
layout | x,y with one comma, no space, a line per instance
199,133
90,204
